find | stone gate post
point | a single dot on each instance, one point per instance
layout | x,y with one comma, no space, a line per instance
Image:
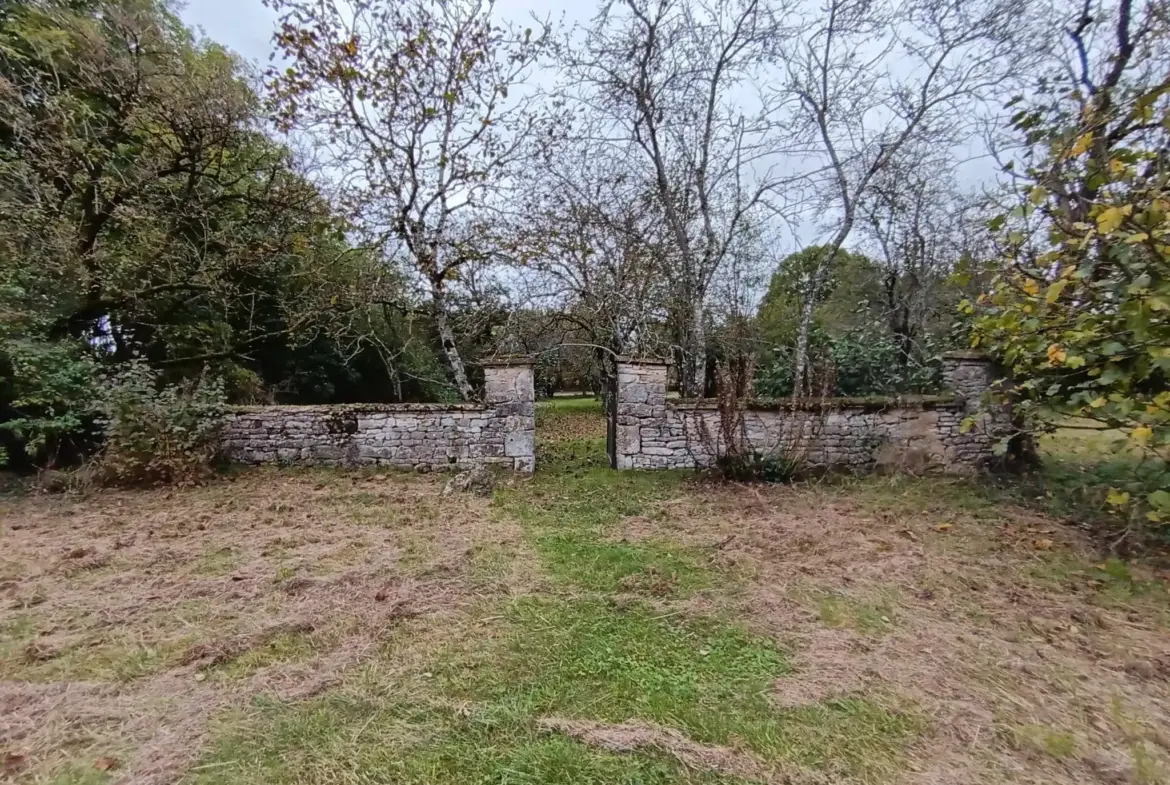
510,389
641,403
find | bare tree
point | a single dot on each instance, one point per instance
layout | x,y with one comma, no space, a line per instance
872,78
422,110
673,80
601,254
917,225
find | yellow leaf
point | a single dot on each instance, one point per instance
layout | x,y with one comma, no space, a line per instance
1081,144
1098,403
1138,237
1055,289
1111,218
1141,434
1031,287
1056,355
1117,498
1037,194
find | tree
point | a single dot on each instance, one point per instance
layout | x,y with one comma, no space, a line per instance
139,198
1079,308
844,302
870,78
598,262
144,214
921,229
421,115
662,75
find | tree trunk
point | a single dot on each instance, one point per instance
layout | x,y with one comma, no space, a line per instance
447,338
695,378
808,307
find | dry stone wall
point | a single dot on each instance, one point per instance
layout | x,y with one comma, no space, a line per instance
653,432
501,431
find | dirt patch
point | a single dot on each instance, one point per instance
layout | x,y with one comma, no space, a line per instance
635,736
137,616
1001,626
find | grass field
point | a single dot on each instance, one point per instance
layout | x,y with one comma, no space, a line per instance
584,626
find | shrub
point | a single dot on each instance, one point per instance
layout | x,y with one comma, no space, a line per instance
158,434
736,458
47,394
752,466
858,363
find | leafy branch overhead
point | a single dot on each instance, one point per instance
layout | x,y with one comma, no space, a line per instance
1079,310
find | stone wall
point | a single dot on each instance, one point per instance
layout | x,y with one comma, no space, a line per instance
914,432
419,436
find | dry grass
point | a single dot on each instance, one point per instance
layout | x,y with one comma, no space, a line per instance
128,619
634,736
137,627
1034,663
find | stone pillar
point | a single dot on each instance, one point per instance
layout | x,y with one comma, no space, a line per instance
970,375
982,430
509,389
641,403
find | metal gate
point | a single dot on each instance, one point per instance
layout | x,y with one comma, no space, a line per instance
611,402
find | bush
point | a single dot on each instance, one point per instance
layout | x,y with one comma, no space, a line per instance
158,434
47,394
753,466
736,458
856,363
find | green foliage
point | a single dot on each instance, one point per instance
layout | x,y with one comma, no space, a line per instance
756,467
158,434
145,214
863,362
1079,311
47,395
853,348
853,285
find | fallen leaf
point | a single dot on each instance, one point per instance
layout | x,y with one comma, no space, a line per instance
105,764
1042,544
942,527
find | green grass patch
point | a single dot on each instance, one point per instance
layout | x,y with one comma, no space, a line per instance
587,657
79,773
571,429
573,515
366,736
578,404
112,658
1113,581
490,562
285,647
470,714
1054,742
873,616
217,563
650,567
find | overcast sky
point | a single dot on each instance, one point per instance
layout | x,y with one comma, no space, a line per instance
246,26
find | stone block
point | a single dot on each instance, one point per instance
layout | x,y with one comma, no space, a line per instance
520,444
629,439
